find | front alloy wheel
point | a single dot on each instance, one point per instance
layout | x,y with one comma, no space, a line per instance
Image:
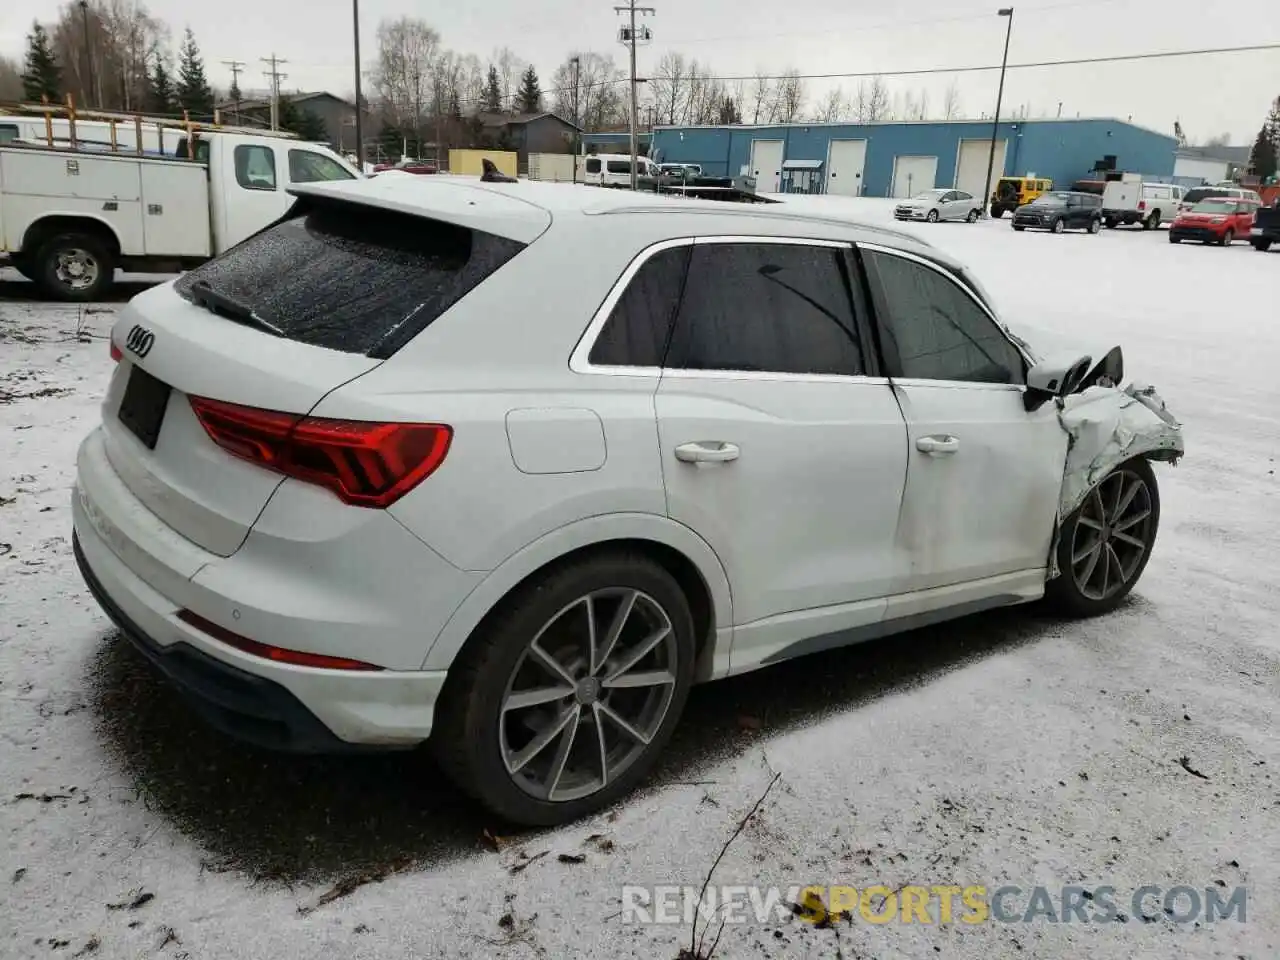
563,700
933,216
1059,226
1105,544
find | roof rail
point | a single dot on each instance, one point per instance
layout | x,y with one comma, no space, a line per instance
71,113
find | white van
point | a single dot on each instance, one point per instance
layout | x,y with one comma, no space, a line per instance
1150,204
612,170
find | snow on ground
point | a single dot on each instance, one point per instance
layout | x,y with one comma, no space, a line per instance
1002,749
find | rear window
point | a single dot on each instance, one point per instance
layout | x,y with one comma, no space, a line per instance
351,277
1199,193
593,165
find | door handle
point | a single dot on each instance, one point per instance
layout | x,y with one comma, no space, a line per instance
942,446
707,451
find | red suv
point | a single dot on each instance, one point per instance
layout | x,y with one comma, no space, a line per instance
1217,220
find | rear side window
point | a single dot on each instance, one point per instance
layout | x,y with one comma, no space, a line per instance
619,166
8,132
781,308
932,329
255,167
307,166
639,326
351,277
593,165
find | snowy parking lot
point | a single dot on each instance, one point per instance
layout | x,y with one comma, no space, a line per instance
1138,750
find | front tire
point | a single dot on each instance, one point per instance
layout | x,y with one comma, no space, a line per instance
933,216
1227,238
75,267
1095,226
542,723
1059,226
1262,246
997,212
1018,228
1104,546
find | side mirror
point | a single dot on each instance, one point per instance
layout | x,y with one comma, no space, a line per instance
1054,377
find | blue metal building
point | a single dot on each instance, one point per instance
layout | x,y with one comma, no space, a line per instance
893,159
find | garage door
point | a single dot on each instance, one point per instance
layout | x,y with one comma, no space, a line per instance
766,165
972,166
913,174
845,162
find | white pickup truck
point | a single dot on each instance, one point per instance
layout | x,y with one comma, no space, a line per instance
70,215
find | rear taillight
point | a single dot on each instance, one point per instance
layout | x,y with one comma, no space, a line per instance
115,352
1142,204
367,464
267,652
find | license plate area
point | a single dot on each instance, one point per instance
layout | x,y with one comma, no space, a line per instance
142,409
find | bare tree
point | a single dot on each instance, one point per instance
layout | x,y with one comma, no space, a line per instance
706,95
407,53
951,102
510,67
669,87
871,102
832,107
761,98
122,38
600,94
791,97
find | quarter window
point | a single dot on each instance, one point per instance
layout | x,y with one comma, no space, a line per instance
255,167
781,308
639,326
933,330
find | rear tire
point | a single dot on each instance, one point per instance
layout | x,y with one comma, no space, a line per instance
75,267
973,216
1152,222
481,737
1262,246
1098,533
1018,228
997,212
1111,224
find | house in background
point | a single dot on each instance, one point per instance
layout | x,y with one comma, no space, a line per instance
527,133
337,115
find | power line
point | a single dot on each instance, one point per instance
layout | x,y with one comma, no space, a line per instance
275,76
235,66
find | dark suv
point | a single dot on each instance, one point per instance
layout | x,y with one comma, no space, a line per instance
1061,210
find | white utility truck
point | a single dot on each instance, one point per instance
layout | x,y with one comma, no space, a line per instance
82,199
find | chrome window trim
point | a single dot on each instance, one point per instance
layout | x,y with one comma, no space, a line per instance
579,361
1004,332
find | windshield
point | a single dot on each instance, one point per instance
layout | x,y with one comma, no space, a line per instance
1050,199
1214,206
1195,196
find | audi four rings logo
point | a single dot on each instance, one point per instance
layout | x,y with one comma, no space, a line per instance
140,340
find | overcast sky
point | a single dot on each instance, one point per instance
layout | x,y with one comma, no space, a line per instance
1223,93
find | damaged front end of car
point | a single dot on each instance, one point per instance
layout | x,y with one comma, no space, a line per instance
1106,426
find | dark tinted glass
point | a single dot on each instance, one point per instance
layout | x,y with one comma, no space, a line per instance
636,333
593,165
782,308
934,328
351,277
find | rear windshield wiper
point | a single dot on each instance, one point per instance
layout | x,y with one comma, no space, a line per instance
223,305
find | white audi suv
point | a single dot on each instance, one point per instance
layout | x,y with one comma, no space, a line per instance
504,468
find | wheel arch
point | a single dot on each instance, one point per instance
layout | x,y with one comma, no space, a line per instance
673,546
51,225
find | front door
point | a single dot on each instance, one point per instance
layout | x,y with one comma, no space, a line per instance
983,475
778,447
766,165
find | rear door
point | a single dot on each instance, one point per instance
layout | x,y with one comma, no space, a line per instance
253,188
780,446
343,285
983,474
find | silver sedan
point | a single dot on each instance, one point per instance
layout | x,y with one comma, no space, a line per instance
941,204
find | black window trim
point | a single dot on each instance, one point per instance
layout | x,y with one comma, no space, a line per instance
869,268
275,167
579,360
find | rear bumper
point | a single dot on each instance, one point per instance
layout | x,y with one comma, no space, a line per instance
1122,216
143,574
239,703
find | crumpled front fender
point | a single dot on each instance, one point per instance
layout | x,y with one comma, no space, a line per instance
1106,426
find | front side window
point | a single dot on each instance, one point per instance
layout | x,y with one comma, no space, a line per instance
307,166
767,307
255,167
932,329
639,326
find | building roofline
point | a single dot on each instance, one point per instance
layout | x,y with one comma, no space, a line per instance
1010,121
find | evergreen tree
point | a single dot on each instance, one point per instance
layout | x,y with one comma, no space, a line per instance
492,92
311,127
1263,159
530,96
194,94
160,89
288,116
729,112
41,76
1273,124
234,93
455,108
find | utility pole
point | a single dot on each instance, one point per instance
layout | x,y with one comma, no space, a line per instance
275,76
577,139
355,24
995,125
235,66
417,112
629,37
88,55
